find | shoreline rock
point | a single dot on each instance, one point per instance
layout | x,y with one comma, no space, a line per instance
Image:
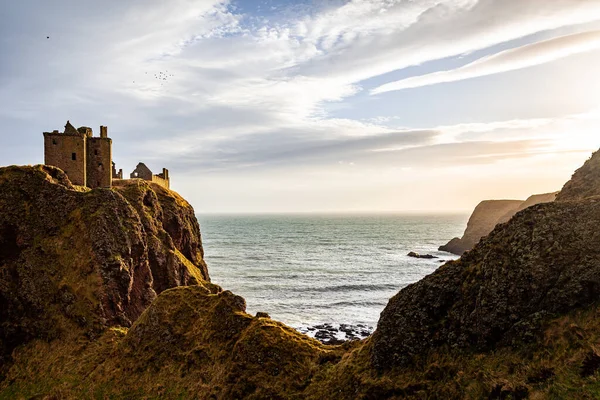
425,256
333,333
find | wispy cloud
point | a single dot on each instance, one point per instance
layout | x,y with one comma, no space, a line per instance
249,92
508,60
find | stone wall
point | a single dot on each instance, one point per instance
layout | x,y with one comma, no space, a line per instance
161,181
67,151
99,162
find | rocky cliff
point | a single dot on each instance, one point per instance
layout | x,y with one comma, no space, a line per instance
487,215
516,317
74,259
584,183
544,262
531,201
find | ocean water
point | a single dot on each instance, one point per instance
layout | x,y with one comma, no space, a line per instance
305,270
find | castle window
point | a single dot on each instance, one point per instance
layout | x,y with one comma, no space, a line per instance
95,152
74,156
53,141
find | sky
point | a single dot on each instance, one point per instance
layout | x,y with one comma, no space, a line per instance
313,106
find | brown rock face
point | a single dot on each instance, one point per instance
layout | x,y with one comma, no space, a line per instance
545,261
487,215
531,201
73,259
585,181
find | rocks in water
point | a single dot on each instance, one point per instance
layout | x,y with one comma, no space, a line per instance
327,337
425,256
328,333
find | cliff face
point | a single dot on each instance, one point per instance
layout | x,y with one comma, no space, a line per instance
544,262
80,260
531,201
487,215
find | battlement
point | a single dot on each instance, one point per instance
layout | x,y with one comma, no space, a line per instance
87,160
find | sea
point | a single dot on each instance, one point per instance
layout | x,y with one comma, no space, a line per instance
307,270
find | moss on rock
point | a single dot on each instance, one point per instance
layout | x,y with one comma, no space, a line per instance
83,260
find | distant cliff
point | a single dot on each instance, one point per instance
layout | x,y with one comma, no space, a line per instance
486,216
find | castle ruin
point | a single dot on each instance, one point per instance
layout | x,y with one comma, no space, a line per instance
87,160
143,172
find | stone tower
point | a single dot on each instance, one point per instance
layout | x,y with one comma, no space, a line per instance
87,160
99,160
67,151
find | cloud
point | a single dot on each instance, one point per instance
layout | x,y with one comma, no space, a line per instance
412,33
508,60
253,92
322,144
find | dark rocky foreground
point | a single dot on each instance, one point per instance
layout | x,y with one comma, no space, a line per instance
104,294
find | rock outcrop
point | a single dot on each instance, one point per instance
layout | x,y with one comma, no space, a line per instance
74,259
544,262
531,201
487,215
584,183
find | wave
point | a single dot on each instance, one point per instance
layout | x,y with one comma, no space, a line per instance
350,304
367,287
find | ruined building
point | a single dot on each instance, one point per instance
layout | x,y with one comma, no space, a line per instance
87,160
143,172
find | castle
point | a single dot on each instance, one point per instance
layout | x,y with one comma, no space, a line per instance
87,160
